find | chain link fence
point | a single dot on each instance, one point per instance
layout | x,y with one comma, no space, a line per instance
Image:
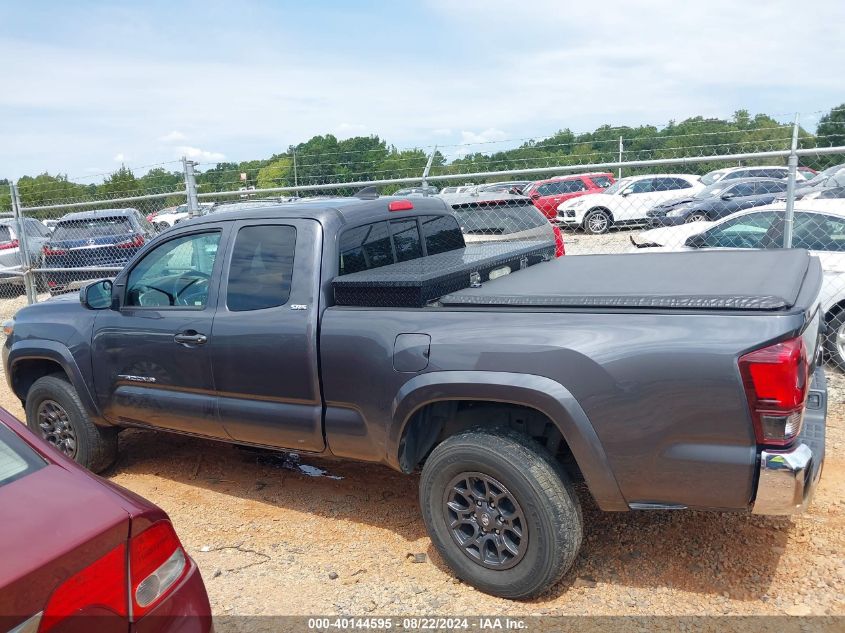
615,190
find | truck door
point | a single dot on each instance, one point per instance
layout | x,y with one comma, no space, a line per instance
152,356
264,338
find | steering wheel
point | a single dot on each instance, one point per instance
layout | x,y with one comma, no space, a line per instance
195,277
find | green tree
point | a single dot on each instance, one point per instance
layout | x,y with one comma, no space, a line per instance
831,130
119,184
279,173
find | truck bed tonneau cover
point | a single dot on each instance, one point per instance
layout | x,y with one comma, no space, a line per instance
695,280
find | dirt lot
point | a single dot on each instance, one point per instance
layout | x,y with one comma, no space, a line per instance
277,535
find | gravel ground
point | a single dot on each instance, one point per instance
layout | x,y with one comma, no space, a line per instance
274,534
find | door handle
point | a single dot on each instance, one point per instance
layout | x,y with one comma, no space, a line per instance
190,337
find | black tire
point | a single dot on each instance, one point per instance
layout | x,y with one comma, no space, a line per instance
543,495
836,350
94,447
597,222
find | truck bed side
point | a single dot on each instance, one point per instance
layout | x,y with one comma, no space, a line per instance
661,389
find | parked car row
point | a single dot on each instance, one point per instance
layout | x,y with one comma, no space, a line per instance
818,226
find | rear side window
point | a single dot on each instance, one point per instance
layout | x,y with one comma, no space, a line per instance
261,268
17,459
441,234
365,247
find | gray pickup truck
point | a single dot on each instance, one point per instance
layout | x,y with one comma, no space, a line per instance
365,329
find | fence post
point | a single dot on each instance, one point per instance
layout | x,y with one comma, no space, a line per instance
621,149
792,163
190,186
295,177
428,167
23,240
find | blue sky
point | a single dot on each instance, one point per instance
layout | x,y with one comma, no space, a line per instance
90,85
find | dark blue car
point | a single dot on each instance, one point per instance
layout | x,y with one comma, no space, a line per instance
91,245
717,201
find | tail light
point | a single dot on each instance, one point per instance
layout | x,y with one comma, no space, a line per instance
50,251
156,563
4,246
101,585
400,205
776,380
133,242
560,249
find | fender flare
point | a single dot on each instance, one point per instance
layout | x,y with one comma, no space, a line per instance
34,349
537,392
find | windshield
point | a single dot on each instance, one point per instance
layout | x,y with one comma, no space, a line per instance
821,177
92,227
618,185
713,176
713,190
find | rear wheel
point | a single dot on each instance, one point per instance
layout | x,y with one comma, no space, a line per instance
501,512
696,217
55,413
597,222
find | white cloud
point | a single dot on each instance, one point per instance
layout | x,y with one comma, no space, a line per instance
346,130
202,155
120,157
489,135
580,66
173,137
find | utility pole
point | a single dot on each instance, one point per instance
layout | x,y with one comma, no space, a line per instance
792,163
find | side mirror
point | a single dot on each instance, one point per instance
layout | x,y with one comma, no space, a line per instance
728,196
626,193
696,241
98,295
534,195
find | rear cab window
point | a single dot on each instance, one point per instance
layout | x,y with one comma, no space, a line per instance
390,241
17,458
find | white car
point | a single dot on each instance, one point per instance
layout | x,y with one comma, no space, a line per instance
762,171
166,220
819,226
626,202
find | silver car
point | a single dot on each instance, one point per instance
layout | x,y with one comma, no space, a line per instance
11,263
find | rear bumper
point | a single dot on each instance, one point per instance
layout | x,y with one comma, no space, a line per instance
787,479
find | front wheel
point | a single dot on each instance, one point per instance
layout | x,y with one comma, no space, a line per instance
55,413
696,217
597,222
501,512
